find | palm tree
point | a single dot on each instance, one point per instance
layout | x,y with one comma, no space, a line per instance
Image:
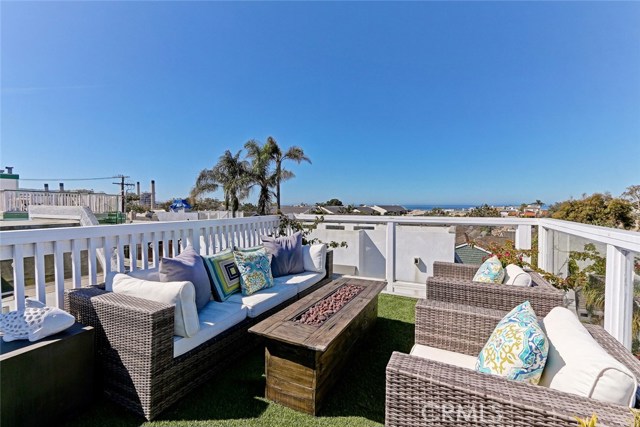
293,153
260,172
230,172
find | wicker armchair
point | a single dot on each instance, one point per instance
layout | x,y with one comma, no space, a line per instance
453,283
134,346
421,392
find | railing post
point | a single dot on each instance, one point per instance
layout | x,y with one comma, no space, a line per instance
391,255
523,237
618,300
18,277
545,249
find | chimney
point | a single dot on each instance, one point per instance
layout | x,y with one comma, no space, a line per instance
61,187
9,169
153,194
46,187
138,189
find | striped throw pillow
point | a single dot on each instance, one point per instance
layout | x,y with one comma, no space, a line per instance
223,273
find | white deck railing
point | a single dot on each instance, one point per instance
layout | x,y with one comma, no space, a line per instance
207,237
20,200
621,248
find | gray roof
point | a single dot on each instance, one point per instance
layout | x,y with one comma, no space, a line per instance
336,210
296,210
471,254
393,208
365,210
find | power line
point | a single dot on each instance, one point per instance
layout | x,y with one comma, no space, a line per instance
68,179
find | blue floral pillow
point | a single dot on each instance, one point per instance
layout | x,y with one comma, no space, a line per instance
255,269
491,271
517,349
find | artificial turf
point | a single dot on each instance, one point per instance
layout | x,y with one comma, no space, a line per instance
236,396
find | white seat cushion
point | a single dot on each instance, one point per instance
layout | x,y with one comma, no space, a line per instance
444,356
264,299
215,317
577,364
180,294
301,281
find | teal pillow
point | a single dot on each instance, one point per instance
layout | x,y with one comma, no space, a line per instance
491,271
517,349
255,269
224,274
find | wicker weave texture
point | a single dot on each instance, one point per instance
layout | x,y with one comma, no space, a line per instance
135,347
421,392
452,283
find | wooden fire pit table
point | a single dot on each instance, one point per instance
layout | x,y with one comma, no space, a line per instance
302,360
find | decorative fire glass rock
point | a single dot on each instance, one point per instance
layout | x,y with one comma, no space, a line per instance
322,311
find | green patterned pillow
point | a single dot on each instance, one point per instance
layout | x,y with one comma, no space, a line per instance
255,269
517,349
223,274
491,271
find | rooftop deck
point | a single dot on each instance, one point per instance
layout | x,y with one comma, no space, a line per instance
400,250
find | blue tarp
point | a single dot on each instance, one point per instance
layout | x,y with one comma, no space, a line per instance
179,204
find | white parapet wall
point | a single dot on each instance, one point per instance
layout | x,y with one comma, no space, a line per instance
417,247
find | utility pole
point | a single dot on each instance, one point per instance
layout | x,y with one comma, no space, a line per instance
122,185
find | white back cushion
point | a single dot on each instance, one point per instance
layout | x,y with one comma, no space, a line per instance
313,257
516,276
180,294
152,274
577,364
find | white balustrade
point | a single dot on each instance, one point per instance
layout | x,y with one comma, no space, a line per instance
146,243
207,236
19,200
622,246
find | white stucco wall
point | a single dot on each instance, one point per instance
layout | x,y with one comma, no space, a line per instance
366,252
9,183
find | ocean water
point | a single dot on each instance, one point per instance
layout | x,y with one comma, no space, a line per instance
429,207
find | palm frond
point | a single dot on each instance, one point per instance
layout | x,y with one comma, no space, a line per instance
296,154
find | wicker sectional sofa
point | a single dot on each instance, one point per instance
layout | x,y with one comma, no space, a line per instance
427,392
452,282
138,364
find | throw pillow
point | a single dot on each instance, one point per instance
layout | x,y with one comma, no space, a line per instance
491,271
517,349
224,274
286,254
180,294
255,269
34,323
516,276
188,267
314,256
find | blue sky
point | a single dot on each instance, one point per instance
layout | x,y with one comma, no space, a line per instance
412,102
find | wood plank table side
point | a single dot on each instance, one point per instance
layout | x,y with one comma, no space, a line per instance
303,361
